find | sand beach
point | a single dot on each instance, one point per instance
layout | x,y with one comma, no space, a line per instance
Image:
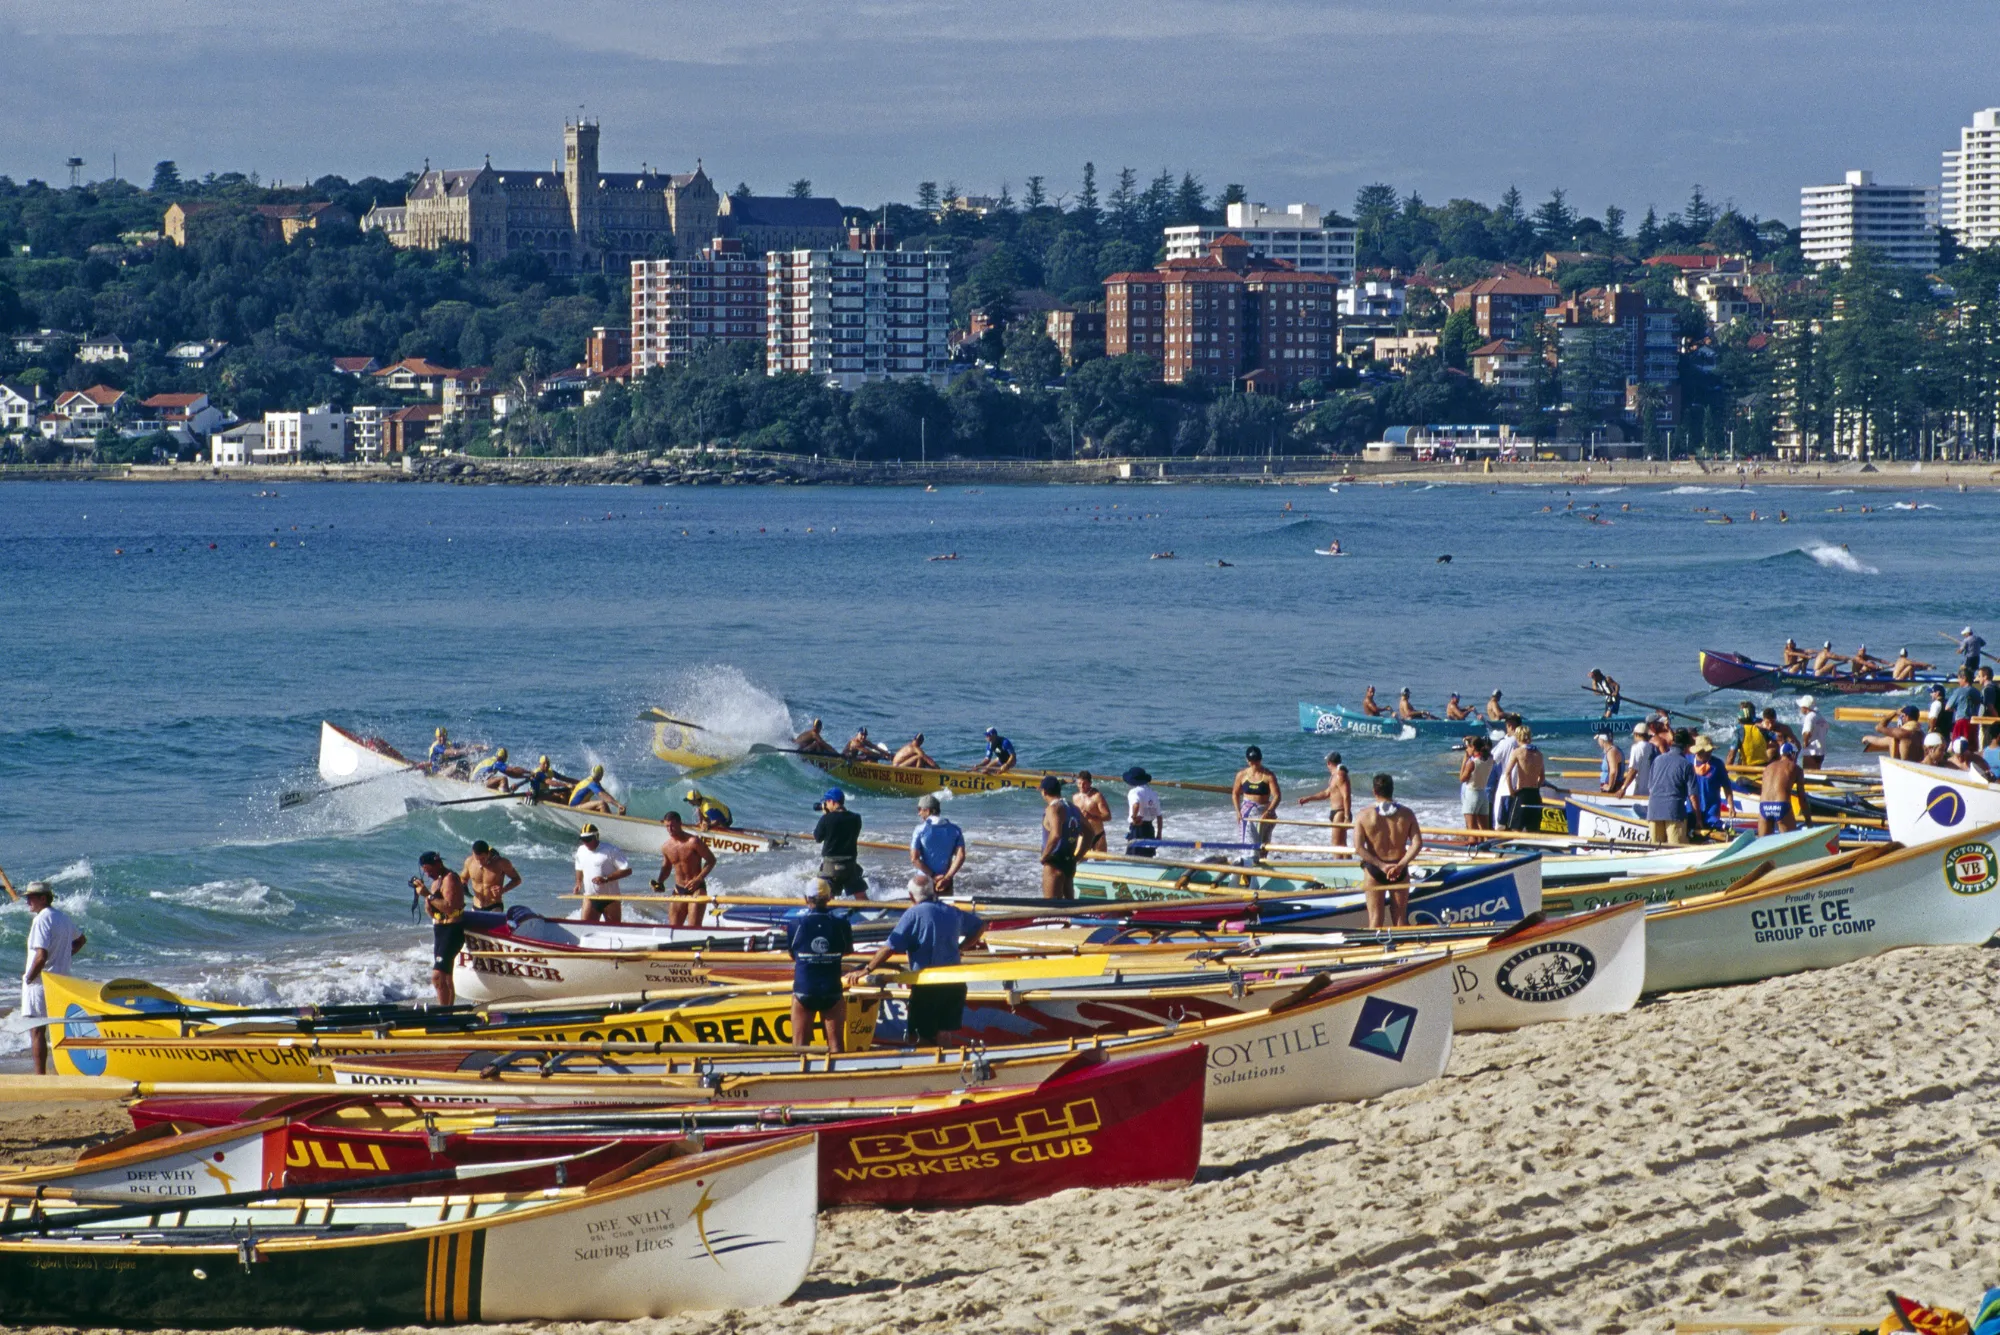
1796,1146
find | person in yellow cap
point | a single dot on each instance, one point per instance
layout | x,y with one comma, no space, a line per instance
496,774
592,795
440,750
709,814
545,785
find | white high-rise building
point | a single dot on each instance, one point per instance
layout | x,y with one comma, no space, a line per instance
865,313
1297,234
1897,222
1971,195
680,306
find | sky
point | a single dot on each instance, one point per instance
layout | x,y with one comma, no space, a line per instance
1626,102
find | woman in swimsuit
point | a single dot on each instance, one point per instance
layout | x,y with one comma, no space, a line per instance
1257,796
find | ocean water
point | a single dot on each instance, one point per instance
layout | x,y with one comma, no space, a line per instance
170,650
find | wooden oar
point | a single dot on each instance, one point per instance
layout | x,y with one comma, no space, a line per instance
299,798
12,893
1645,704
425,803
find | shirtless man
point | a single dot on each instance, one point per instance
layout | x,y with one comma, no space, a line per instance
1795,658
1090,803
1898,735
1405,710
489,876
1784,780
1369,705
1338,796
911,755
1863,663
686,860
860,748
1905,668
1454,710
1525,773
1062,840
1824,661
1494,713
1388,841
812,743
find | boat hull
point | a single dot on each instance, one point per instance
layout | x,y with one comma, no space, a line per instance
902,781
1936,895
1930,803
1728,867
1326,720
1734,672
545,959
711,1232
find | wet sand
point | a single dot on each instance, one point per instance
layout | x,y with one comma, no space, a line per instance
1796,1146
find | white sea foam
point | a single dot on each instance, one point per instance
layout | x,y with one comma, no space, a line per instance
321,978
1844,491
1706,491
238,897
734,711
1837,558
1602,491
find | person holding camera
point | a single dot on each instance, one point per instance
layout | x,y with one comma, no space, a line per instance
839,836
443,894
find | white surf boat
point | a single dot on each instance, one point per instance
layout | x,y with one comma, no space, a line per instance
728,1229
1331,1042
371,770
1930,803
519,956
1862,904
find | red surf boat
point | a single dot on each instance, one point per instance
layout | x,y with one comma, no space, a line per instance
1097,1122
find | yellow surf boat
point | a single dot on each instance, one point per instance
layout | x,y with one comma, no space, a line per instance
752,1018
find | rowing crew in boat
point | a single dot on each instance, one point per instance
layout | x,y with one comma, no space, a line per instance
1860,663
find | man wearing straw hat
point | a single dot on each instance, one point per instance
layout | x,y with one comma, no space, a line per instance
52,940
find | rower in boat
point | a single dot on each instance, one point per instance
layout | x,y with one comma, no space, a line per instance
1405,710
1796,659
811,743
443,894
1388,841
1862,662
1000,755
444,753
592,795
1824,661
1370,706
489,875
495,774
1494,713
1607,687
685,862
1904,668
911,755
860,748
709,814
545,785
1454,710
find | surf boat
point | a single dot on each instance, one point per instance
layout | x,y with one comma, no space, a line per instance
728,1229
1328,1041
347,762
1096,1122
1928,804
162,1036
1734,672
1325,720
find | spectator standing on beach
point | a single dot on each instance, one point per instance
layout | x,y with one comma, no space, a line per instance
1670,783
52,940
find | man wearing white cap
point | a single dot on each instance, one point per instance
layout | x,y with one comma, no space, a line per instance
1812,734
52,940
1969,648
599,867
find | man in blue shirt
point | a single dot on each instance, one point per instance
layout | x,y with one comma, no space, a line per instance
929,934
1670,784
1969,648
819,942
999,754
937,847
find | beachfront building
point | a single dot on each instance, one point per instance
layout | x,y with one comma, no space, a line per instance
1970,200
1508,305
1299,234
312,433
572,215
863,313
1225,315
1897,223
681,306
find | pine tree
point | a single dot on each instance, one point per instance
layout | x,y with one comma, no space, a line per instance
1510,210
1555,221
1700,215
166,177
1614,226
1036,195
1086,210
801,188
1232,193
927,196
1190,201
1122,209
1647,238
1004,204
